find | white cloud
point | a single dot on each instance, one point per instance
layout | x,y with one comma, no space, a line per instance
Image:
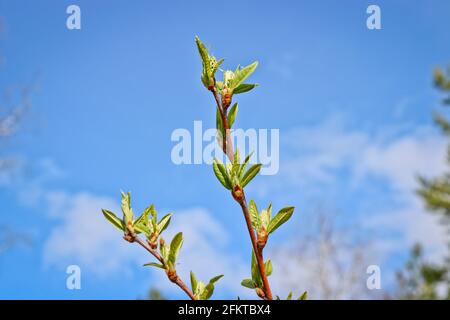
83,237
205,252
414,226
401,160
331,155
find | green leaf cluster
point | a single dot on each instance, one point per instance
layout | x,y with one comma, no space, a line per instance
233,81
202,291
264,218
235,174
209,63
147,223
256,281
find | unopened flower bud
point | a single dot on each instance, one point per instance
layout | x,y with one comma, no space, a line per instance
260,293
172,275
152,241
226,97
262,237
237,193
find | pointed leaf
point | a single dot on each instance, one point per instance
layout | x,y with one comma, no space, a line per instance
244,88
232,115
202,51
268,267
256,276
254,215
222,174
289,297
128,215
235,167
281,217
164,251
244,165
164,222
250,174
154,264
141,223
115,221
304,296
242,74
248,283
215,279
207,292
193,282
175,247
219,123
200,288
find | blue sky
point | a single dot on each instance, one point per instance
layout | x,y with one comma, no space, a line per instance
353,107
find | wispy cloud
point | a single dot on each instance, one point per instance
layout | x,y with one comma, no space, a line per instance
332,154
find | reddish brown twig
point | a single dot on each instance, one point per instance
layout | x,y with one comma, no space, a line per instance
132,237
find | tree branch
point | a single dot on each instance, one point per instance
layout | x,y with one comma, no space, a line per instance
132,237
227,144
258,251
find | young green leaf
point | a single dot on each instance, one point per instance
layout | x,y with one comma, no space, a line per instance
128,215
200,288
281,217
244,87
216,278
248,283
115,221
209,288
219,124
256,276
164,249
202,51
235,167
254,215
206,63
154,264
268,267
141,223
289,297
244,166
193,282
250,174
175,247
265,218
154,219
222,174
164,222
304,296
207,292
232,115
242,74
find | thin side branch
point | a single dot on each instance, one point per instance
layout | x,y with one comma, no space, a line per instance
132,237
